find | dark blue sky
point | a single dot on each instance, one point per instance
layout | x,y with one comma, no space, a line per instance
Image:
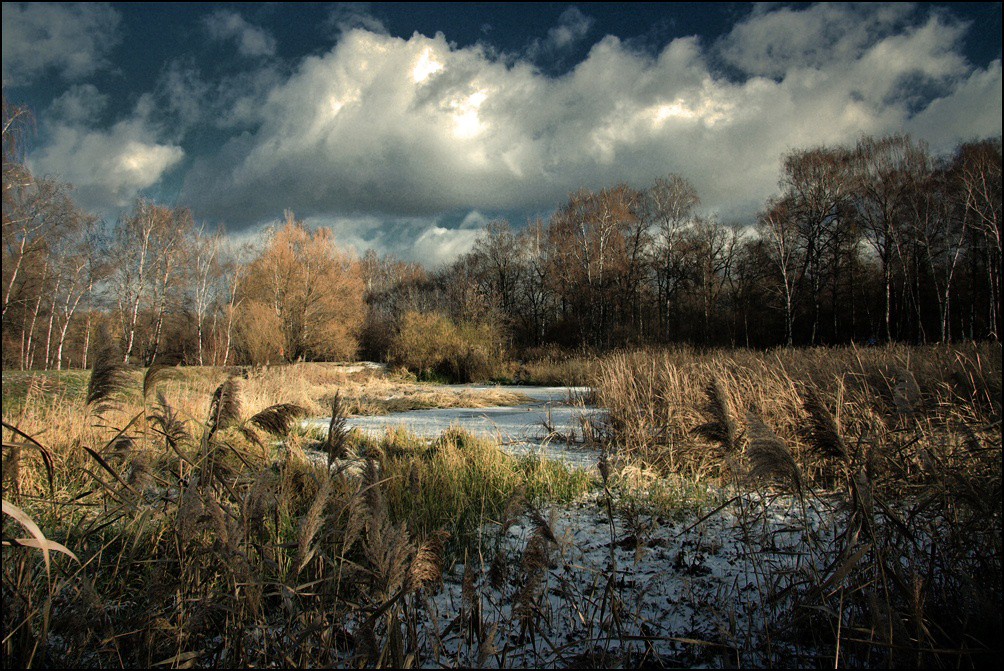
405,127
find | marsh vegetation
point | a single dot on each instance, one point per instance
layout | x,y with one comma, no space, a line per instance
793,508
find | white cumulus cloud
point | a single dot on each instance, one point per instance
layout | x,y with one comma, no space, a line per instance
108,167
412,127
390,140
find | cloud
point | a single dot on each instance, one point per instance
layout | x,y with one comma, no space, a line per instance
81,103
431,241
405,129
971,111
773,41
572,28
186,98
108,167
252,41
348,16
72,39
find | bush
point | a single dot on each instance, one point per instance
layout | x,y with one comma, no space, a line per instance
429,344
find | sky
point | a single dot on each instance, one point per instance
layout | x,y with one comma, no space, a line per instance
407,127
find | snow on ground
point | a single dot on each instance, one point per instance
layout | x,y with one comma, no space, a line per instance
694,590
685,591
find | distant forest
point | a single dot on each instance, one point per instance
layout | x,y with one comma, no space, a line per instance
869,243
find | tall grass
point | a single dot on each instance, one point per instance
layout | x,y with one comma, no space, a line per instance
203,533
901,447
193,537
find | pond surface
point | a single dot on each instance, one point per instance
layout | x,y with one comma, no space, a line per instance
551,425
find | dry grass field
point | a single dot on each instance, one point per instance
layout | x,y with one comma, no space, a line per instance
171,517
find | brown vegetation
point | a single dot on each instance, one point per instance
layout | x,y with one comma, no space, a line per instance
301,300
902,446
188,538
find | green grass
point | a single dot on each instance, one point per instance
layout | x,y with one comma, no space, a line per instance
45,387
460,483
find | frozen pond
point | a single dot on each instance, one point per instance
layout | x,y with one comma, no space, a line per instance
519,429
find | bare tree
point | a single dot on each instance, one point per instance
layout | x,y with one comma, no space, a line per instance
204,259
886,175
816,183
170,243
711,253
36,213
133,248
979,167
668,207
778,229
587,238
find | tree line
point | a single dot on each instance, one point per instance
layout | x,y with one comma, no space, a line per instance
874,242
869,243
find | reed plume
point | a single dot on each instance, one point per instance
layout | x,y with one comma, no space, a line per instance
277,419
387,548
155,374
311,524
498,572
337,440
225,408
823,432
769,457
166,422
906,393
375,501
108,376
426,570
719,428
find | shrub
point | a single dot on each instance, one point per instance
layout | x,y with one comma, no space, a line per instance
429,344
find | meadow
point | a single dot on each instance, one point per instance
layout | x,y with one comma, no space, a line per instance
180,517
